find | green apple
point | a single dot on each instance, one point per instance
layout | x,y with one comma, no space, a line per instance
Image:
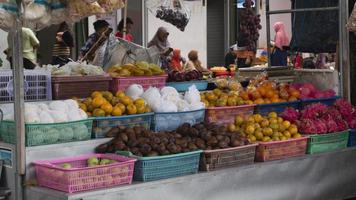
66,166
93,161
104,161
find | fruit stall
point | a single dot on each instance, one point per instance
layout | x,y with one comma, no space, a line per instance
134,131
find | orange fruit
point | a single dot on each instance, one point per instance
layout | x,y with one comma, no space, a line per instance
262,91
107,107
88,101
256,95
83,107
120,94
131,109
116,111
126,100
269,93
98,112
259,101
249,102
96,94
147,109
140,102
122,107
140,109
98,101
244,96
274,100
292,98
294,93
267,101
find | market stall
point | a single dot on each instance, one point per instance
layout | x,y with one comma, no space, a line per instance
125,132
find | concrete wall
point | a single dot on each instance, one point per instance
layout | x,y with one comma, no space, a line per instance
286,18
193,38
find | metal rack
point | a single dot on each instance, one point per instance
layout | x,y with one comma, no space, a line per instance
344,52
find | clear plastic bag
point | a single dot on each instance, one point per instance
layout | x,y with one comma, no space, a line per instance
81,8
170,11
351,24
58,11
36,9
8,11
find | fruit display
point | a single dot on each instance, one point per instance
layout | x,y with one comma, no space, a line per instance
309,91
91,162
250,25
74,68
136,69
47,112
104,104
264,128
141,142
222,98
176,76
321,119
176,16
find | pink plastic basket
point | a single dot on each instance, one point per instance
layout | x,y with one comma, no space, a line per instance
122,83
50,173
277,150
226,115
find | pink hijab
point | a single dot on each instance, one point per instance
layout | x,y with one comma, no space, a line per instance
281,39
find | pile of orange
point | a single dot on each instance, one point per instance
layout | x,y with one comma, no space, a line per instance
104,103
221,98
268,93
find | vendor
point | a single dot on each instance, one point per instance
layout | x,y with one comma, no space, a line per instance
100,26
62,46
281,43
30,44
194,63
120,30
244,57
230,57
160,41
177,62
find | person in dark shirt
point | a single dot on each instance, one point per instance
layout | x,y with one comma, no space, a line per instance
62,46
230,57
100,26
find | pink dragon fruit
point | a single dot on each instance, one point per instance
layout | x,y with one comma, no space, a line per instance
331,124
320,126
313,111
352,123
307,90
290,114
329,93
306,126
341,125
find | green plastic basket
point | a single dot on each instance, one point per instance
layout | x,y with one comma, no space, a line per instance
44,134
162,167
102,125
327,142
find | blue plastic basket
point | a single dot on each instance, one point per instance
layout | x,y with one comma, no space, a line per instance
172,120
183,86
327,101
102,125
162,167
275,107
352,138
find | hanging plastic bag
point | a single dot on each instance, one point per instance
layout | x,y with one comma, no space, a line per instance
36,9
58,11
111,5
171,11
81,8
8,11
351,24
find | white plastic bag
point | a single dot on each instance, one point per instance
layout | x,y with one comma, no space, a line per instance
192,95
8,11
36,9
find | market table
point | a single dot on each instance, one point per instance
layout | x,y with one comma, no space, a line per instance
322,176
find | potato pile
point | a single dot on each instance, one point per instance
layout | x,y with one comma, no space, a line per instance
141,142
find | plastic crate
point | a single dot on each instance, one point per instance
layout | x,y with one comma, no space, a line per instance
50,174
184,86
327,101
172,120
66,87
267,151
103,125
37,85
275,107
122,83
231,157
162,167
352,138
327,142
226,115
44,134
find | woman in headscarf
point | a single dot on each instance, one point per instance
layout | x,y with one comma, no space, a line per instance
194,63
160,40
281,44
177,61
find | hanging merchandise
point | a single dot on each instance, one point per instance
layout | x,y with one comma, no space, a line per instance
351,24
80,8
36,9
8,10
59,11
111,5
171,11
250,25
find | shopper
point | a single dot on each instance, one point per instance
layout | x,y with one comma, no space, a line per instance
177,62
160,40
62,46
194,63
281,44
230,57
120,30
30,44
100,26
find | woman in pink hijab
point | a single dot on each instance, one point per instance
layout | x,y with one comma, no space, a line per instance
281,44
